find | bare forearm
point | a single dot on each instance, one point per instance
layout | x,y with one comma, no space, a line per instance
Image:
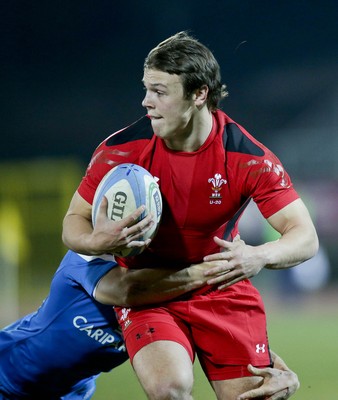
133,288
76,234
77,227
291,249
298,242
158,287
286,252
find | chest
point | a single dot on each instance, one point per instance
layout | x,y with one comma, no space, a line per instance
195,188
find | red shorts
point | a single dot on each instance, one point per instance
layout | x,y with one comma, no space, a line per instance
227,330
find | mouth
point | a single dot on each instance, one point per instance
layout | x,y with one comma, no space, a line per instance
153,117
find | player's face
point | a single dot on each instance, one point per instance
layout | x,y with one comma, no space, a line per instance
170,113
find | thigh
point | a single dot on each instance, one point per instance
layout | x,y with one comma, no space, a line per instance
231,388
165,370
161,351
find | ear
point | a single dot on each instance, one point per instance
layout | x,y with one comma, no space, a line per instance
201,96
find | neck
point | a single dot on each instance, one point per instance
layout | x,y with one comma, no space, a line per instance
195,134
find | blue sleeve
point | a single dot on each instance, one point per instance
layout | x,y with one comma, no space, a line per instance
86,270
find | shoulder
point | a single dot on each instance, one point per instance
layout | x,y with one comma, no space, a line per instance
250,164
236,139
244,151
127,145
138,130
79,270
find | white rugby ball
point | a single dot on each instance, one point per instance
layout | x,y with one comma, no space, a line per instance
127,187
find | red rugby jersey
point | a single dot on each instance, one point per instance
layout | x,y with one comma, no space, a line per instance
201,190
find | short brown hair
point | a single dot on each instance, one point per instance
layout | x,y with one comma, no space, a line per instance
183,55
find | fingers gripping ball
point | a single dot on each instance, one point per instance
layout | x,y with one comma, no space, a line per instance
127,187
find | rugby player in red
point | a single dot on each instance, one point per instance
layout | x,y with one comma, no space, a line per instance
208,168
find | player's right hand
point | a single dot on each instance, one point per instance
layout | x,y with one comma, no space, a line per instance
111,236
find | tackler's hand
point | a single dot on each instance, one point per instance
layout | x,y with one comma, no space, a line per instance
277,384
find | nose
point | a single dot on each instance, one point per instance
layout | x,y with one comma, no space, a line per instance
146,101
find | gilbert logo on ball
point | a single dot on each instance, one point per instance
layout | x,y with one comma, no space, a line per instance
127,187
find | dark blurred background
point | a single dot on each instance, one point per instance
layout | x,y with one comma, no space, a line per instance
72,70
71,74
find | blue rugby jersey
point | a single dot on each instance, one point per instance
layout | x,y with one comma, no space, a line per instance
69,338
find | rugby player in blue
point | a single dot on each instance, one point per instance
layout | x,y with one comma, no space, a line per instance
71,338
58,351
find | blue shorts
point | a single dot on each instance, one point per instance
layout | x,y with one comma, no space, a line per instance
4,394
83,390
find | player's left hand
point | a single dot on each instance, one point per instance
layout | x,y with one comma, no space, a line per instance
239,262
276,385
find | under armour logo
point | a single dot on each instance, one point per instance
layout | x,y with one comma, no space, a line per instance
260,349
150,331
